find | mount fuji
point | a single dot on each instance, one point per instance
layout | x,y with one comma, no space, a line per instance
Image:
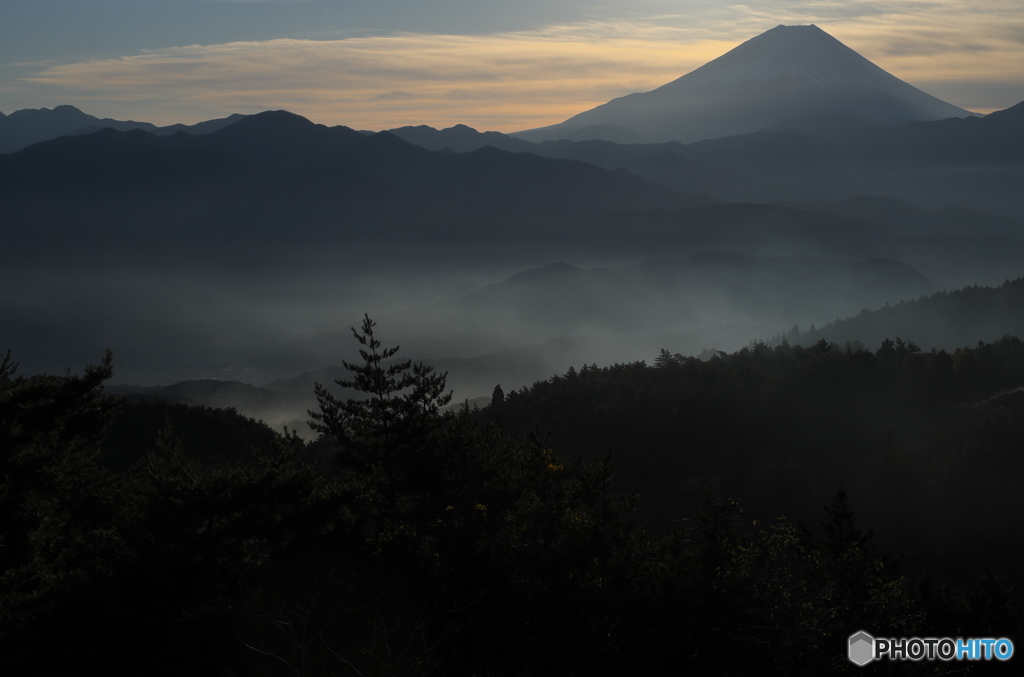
786,72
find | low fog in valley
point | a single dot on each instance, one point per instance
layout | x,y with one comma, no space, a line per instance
247,259
735,369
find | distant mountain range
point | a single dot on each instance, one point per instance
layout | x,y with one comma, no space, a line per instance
279,144
817,159
25,127
885,141
237,248
656,297
786,72
222,196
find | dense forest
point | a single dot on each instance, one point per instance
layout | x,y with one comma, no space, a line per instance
925,441
742,514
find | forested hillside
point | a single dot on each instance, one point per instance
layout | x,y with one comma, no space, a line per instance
628,431
910,434
947,319
411,541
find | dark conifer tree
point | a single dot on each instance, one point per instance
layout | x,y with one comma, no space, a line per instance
381,435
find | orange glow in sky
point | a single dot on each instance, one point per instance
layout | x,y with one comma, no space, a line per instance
501,81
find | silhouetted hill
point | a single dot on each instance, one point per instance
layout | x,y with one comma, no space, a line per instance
25,127
813,157
205,127
212,435
29,126
701,294
223,198
973,162
1014,115
901,429
278,146
274,407
946,319
283,139
818,158
460,138
991,139
201,392
707,287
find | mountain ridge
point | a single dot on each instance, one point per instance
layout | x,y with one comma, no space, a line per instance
28,126
945,320
784,72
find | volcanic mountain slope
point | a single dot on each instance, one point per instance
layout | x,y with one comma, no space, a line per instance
786,72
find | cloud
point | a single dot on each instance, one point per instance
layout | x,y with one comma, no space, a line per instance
518,80
513,80
970,56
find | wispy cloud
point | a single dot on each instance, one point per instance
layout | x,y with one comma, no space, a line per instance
972,56
505,81
511,81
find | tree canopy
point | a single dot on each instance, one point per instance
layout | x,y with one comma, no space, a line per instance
410,540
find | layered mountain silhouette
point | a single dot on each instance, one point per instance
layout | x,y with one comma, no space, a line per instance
231,190
820,159
278,207
546,319
786,72
702,292
28,126
291,153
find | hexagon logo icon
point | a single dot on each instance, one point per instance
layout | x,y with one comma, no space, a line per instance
861,648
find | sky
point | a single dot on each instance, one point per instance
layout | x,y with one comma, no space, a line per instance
492,64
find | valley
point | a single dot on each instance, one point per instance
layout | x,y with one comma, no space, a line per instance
531,402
